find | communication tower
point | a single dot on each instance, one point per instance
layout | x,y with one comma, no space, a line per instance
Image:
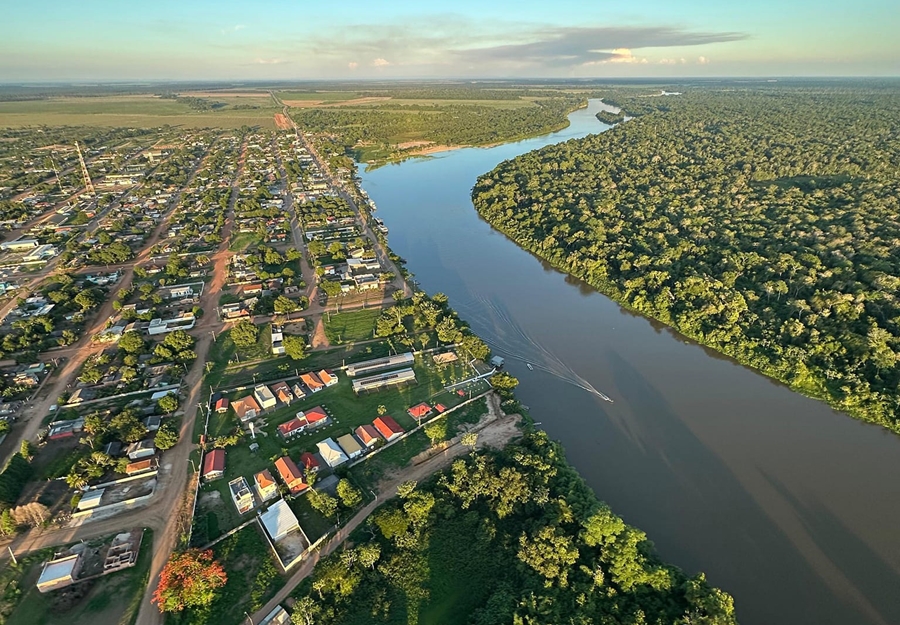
84,172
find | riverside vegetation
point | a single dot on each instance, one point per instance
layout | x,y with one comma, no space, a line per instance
514,536
763,223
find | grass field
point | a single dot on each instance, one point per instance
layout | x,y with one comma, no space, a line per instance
112,600
348,327
243,240
323,96
141,111
347,411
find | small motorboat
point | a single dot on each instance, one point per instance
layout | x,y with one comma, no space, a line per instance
530,368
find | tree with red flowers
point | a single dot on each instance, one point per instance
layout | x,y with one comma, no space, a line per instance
189,580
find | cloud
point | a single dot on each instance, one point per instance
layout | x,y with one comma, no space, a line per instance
702,60
667,61
270,62
233,29
352,64
575,46
379,62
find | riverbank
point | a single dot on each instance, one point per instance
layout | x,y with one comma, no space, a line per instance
757,289
769,492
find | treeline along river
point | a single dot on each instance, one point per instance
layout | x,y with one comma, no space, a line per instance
789,506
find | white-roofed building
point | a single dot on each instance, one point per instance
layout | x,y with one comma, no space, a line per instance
59,573
331,452
279,520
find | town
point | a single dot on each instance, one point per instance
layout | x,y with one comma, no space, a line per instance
207,343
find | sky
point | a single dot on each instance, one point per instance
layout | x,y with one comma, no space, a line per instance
97,40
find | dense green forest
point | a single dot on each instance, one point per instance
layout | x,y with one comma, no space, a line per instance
447,124
506,537
764,223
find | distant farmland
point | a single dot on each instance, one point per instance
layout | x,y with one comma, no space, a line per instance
139,111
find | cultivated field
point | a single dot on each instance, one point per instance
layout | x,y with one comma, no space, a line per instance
139,111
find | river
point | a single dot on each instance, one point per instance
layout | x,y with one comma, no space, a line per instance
786,504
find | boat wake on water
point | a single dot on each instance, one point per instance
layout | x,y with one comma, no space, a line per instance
507,338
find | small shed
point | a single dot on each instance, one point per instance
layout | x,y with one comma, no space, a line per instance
59,573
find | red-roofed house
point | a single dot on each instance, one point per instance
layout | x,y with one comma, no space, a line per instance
283,392
387,427
290,475
327,377
214,465
312,381
315,416
250,289
246,408
440,408
309,461
367,434
291,428
420,411
222,405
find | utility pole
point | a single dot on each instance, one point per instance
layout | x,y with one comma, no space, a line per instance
12,555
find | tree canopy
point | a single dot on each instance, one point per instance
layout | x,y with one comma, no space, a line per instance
504,537
762,223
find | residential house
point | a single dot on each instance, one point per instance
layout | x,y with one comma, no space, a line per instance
315,417
331,453
241,495
350,445
299,393
214,465
65,429
309,461
222,405
113,449
141,449
312,381
266,488
291,428
419,411
246,408
277,338
180,292
264,396
141,466
29,380
282,392
368,435
152,423
250,289
290,475
387,427
279,520
327,377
